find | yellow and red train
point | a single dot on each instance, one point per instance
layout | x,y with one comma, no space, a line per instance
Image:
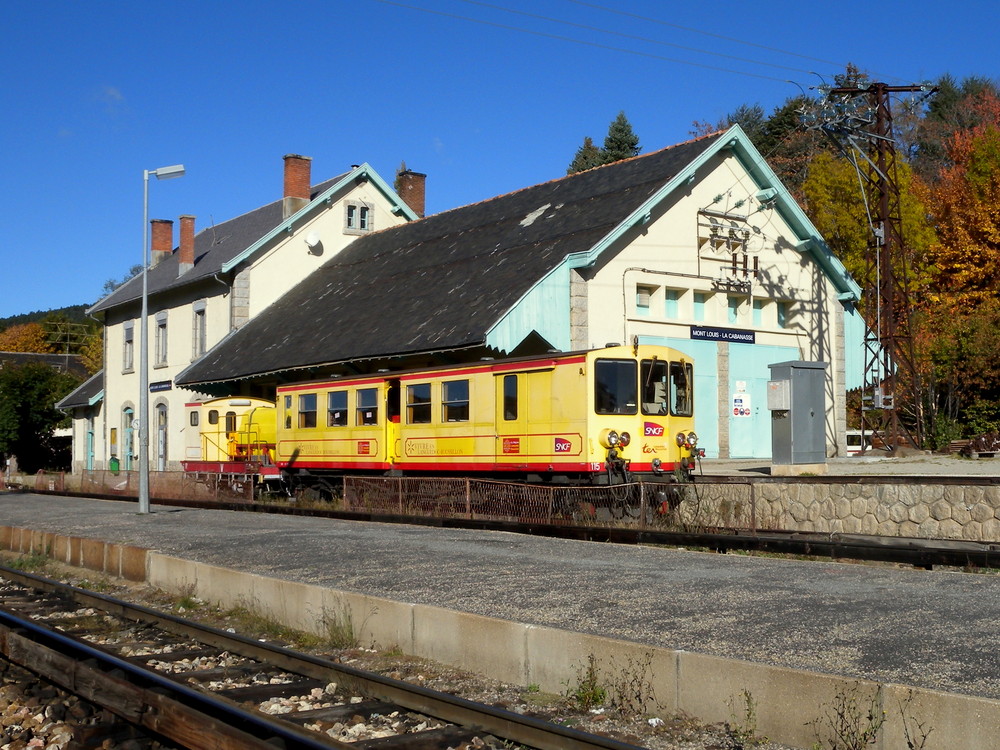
603,416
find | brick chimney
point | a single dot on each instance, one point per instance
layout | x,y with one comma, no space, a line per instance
297,183
162,240
185,256
411,190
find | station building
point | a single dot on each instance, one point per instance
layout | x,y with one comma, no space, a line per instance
697,246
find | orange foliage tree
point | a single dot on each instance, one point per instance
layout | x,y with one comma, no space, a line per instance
27,337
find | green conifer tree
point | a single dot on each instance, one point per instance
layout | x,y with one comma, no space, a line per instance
621,141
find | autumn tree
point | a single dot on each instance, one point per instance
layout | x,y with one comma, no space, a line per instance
28,417
27,337
965,197
92,351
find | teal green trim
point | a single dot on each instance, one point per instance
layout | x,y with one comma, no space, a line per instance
516,324
325,199
543,309
96,398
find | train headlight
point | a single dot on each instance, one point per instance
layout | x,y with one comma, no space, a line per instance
692,439
681,438
656,464
609,438
624,439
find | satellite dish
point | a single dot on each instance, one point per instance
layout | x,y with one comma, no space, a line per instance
313,240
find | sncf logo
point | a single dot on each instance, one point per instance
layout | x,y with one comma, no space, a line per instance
563,445
651,429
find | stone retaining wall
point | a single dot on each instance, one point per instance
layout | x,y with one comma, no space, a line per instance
938,511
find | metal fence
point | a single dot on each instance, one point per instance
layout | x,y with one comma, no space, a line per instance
164,485
642,504
690,507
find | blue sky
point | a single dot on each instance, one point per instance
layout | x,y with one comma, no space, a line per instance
95,92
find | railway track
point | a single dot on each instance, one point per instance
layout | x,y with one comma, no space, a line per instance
192,686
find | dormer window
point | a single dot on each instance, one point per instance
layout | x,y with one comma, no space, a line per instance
359,216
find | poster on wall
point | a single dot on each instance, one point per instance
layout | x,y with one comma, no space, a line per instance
741,405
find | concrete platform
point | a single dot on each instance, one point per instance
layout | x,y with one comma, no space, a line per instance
714,625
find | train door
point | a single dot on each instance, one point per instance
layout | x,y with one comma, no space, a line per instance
511,420
392,414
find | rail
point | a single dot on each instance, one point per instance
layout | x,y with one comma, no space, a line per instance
196,718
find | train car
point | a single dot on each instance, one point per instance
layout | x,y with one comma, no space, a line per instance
231,441
605,416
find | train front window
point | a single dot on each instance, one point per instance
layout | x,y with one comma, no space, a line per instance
230,421
681,389
455,400
307,410
367,406
418,403
336,409
653,384
615,386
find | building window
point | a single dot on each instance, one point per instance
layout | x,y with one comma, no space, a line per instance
307,410
700,298
784,314
200,330
671,300
643,295
128,349
418,403
359,217
367,406
336,409
455,401
733,305
160,359
758,313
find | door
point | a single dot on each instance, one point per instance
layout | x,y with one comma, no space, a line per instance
161,437
511,420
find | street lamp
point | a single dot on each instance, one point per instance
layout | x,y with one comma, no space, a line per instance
163,173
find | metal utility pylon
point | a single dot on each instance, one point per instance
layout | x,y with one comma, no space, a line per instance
891,382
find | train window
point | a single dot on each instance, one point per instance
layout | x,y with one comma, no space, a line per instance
510,397
194,419
367,406
418,403
230,421
336,409
455,401
681,389
213,416
615,390
307,410
653,377
288,412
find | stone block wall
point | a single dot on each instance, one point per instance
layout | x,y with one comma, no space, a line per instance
938,511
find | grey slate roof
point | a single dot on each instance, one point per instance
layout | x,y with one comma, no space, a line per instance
84,393
440,283
71,363
213,247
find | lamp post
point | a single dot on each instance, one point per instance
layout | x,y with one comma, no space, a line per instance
163,173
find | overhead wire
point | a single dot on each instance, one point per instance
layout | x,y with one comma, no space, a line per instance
632,37
583,42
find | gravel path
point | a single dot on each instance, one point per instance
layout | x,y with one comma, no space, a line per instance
929,629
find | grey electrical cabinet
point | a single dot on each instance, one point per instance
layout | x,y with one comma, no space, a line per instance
796,398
